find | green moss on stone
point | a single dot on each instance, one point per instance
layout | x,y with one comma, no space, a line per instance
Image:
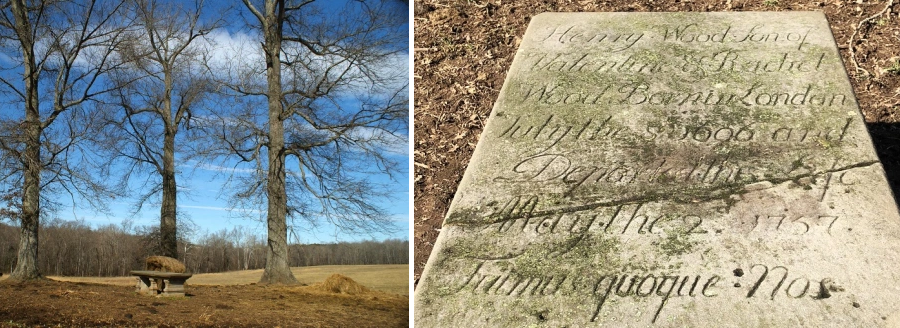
676,242
577,253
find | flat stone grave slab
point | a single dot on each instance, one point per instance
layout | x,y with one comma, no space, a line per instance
670,170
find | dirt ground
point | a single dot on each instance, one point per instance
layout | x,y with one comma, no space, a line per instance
390,278
464,48
333,302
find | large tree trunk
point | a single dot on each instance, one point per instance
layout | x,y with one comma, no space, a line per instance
168,239
277,269
26,267
167,223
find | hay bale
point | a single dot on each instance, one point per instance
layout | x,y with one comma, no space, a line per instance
164,264
342,285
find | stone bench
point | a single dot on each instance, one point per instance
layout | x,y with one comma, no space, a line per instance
158,283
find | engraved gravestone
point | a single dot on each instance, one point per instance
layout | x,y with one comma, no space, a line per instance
670,170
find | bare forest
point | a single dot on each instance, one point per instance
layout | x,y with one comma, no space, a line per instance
71,248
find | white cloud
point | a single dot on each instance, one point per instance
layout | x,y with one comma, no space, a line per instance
395,144
225,169
242,52
400,218
216,168
234,50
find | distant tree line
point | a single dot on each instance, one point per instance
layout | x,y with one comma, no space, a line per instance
73,248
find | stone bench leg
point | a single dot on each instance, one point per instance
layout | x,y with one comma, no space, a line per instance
146,286
173,287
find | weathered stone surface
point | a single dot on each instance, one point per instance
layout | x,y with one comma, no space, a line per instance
164,284
670,170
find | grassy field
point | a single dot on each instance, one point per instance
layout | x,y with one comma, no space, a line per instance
387,278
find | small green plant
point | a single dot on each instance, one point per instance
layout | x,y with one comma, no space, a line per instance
895,68
770,3
825,143
15,324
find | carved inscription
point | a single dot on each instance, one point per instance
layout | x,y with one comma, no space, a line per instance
794,288
732,61
553,130
690,33
621,219
561,169
587,63
795,224
694,64
588,35
771,283
660,169
602,288
757,34
637,93
523,215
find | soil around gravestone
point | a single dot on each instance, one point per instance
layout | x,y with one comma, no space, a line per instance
463,50
49,303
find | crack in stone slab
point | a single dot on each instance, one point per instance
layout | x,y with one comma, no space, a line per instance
713,194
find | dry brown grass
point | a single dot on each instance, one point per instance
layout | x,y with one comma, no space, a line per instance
392,278
50,303
164,264
341,285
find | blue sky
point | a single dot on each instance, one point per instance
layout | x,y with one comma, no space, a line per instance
203,201
201,197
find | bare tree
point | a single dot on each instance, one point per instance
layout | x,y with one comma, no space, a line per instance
331,105
159,91
60,49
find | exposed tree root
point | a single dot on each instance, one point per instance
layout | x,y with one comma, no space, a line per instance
887,8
